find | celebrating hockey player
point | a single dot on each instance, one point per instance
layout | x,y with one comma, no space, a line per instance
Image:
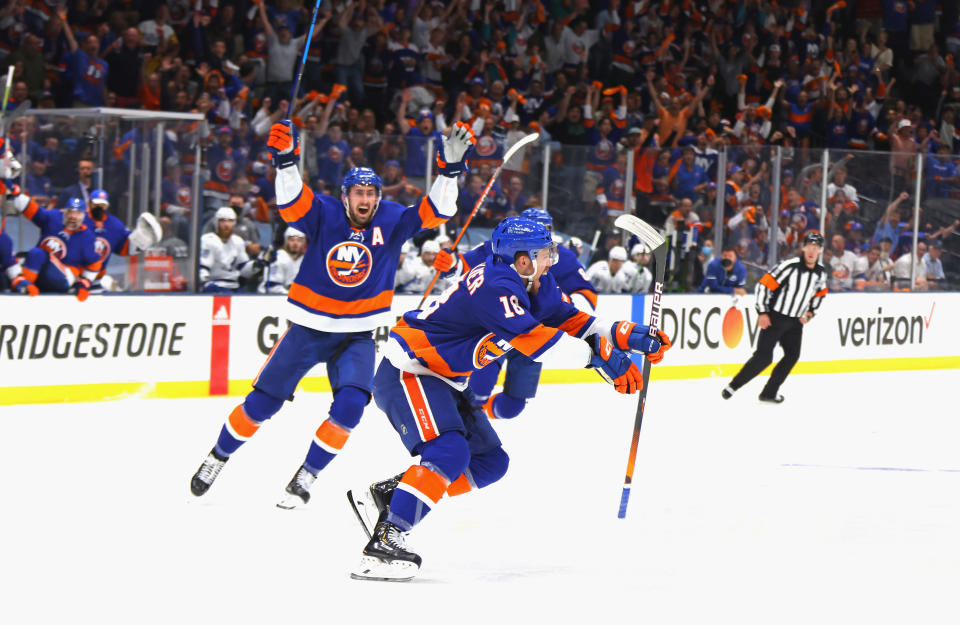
341,294
507,302
65,258
523,374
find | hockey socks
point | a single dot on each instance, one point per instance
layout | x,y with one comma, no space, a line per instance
331,436
245,420
418,491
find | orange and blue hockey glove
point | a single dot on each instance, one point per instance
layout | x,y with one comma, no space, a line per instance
614,366
83,289
636,338
445,261
284,144
452,149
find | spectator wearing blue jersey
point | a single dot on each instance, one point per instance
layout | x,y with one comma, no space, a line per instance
417,135
89,71
690,179
725,274
38,185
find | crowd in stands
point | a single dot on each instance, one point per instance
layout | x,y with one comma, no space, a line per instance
678,89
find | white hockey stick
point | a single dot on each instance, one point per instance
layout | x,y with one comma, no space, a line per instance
652,238
516,147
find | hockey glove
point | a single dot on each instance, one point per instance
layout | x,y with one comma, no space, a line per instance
22,285
614,366
452,149
445,261
636,338
83,289
284,144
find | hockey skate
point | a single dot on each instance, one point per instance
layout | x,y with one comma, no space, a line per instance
298,490
386,557
207,473
372,504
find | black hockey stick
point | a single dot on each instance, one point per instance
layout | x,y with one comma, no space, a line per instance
650,237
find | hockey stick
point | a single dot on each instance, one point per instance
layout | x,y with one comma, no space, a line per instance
516,147
3,116
303,61
649,236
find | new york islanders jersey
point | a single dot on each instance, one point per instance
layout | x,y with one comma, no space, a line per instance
573,280
74,248
346,279
8,262
111,238
225,166
480,318
567,272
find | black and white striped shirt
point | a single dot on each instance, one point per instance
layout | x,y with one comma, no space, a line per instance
792,288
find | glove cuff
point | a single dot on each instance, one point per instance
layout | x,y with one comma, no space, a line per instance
282,161
451,170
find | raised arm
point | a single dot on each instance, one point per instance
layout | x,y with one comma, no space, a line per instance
267,26
67,31
402,124
653,91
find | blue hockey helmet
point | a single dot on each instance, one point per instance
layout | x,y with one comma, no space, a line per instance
360,175
514,235
75,204
538,215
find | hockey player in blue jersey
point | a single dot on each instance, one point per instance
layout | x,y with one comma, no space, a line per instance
507,302
65,258
10,272
342,292
522,374
112,237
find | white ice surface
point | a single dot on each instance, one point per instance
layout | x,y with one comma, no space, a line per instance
840,506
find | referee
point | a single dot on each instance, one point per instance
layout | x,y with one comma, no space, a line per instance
787,298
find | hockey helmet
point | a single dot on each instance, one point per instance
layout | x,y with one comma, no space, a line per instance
813,237
514,235
293,232
639,248
75,204
225,213
617,252
360,175
538,215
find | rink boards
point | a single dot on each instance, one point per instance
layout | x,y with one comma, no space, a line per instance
55,349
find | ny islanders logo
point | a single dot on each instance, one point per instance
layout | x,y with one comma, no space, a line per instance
55,246
486,146
348,263
102,246
225,170
488,349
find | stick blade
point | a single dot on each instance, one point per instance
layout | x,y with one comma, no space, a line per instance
647,234
519,145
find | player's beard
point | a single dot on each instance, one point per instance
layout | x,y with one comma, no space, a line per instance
362,220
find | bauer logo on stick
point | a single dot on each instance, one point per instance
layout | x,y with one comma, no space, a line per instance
348,263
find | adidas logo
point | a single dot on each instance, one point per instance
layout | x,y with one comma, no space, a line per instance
221,317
